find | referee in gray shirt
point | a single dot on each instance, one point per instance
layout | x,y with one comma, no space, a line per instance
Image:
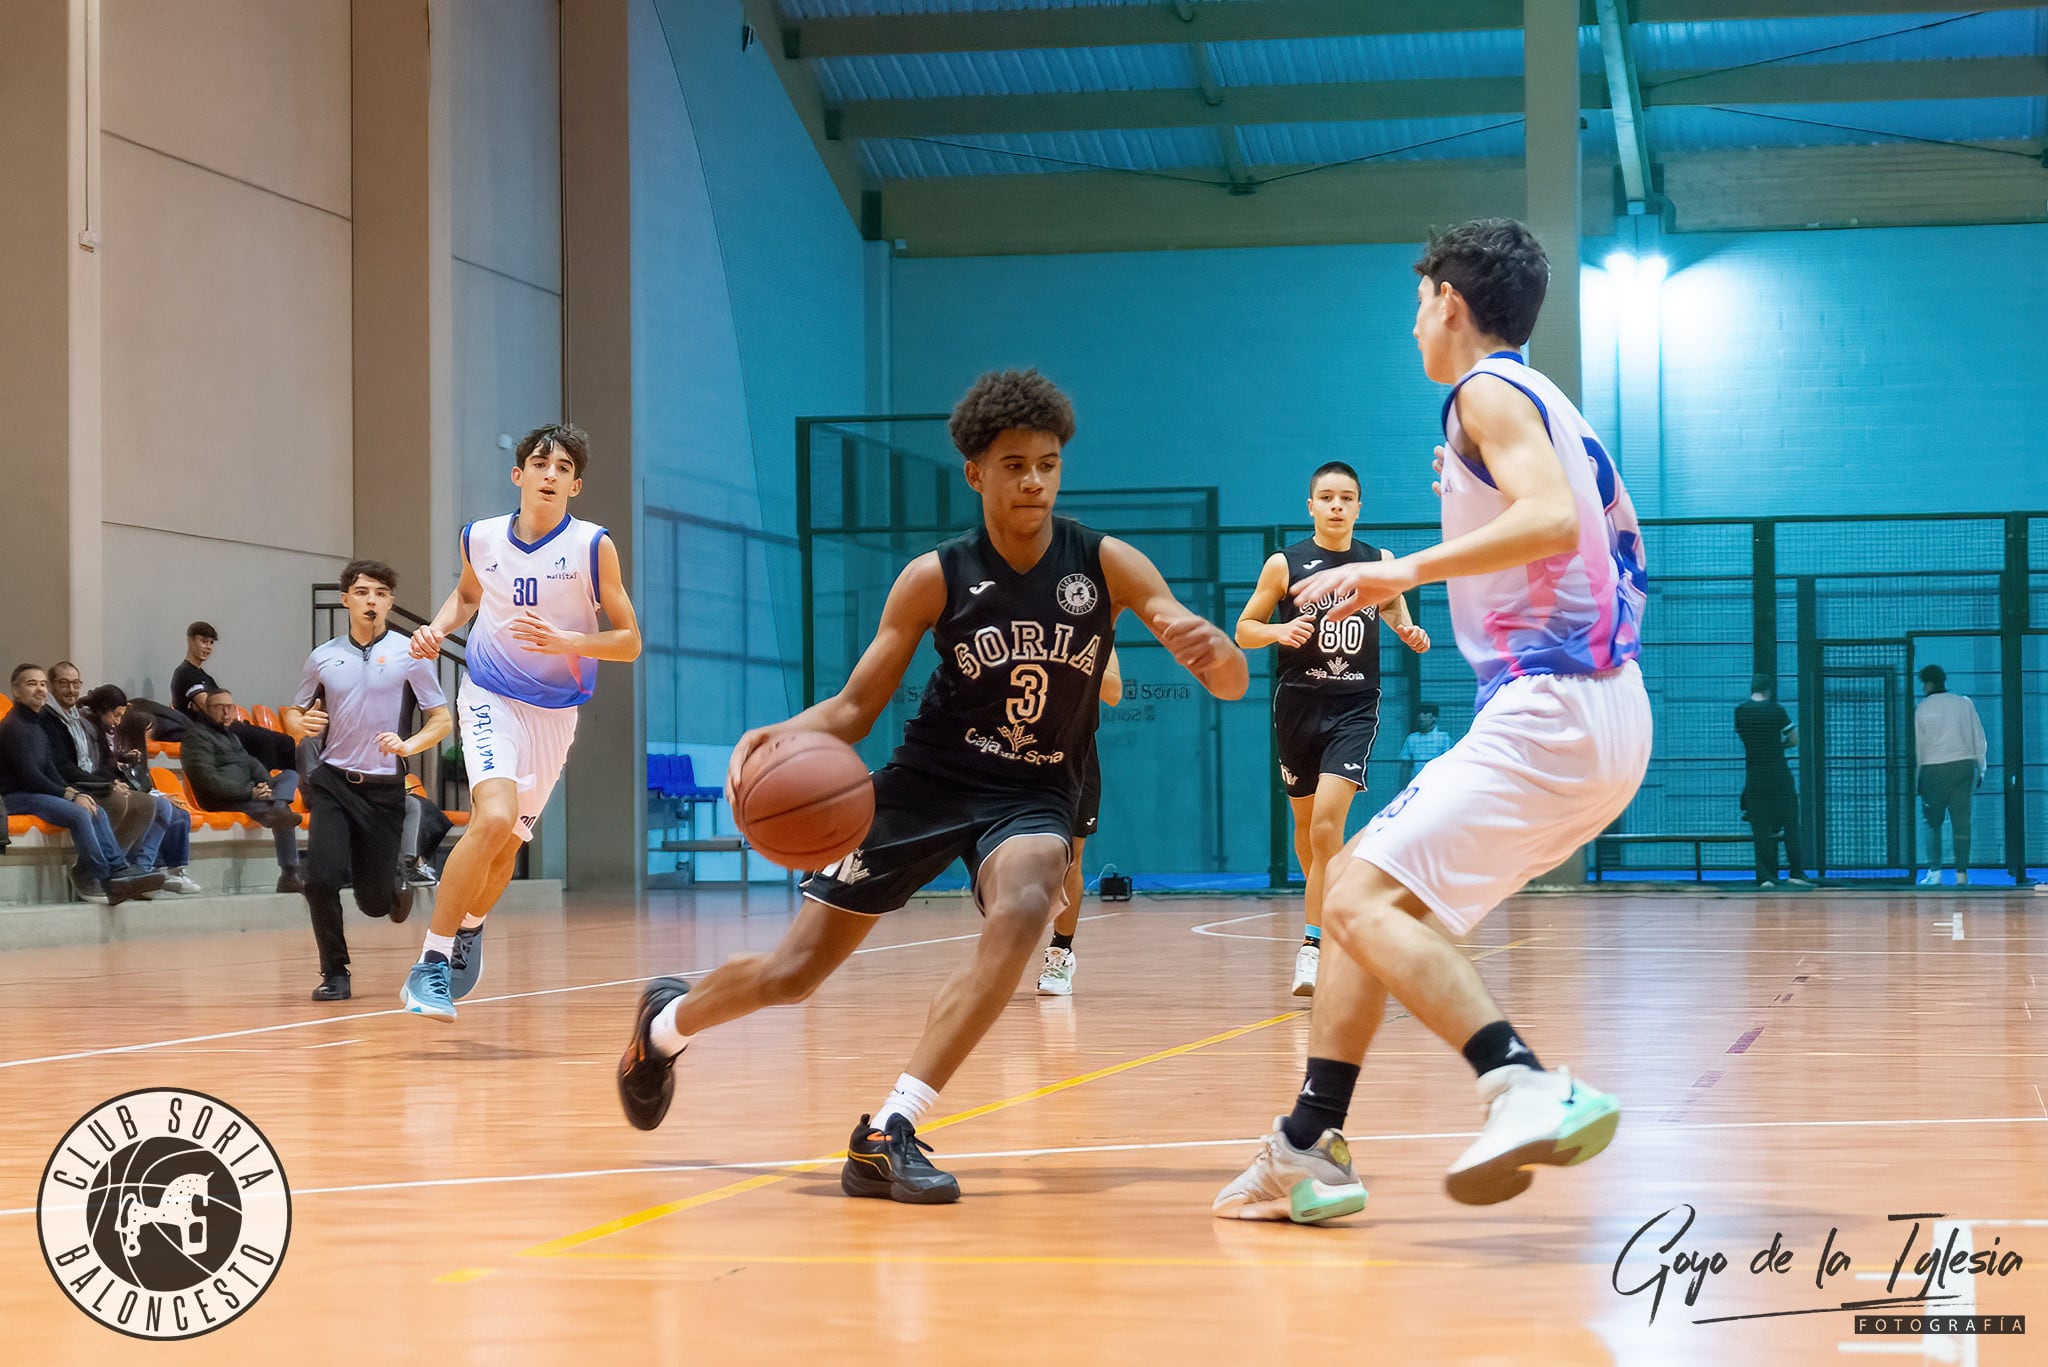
352,697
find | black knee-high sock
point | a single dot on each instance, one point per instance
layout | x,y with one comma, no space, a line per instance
1324,1101
1495,1046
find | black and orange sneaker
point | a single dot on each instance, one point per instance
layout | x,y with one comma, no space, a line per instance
891,1165
647,1077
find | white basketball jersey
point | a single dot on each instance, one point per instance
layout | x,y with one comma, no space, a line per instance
555,577
1576,613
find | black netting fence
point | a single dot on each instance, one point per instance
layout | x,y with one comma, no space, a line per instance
1843,613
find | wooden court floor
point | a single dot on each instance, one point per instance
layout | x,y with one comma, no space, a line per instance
470,1194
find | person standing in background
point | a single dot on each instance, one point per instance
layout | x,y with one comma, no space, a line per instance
1948,746
1423,744
1770,801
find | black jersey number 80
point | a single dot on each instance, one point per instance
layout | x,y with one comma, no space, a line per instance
1029,704
1346,636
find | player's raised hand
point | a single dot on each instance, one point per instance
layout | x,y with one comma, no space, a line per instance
1352,588
536,633
1414,637
426,643
746,746
1297,632
1197,643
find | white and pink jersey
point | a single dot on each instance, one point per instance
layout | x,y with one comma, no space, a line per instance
1575,613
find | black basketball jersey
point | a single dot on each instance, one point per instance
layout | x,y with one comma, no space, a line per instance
1014,700
1342,658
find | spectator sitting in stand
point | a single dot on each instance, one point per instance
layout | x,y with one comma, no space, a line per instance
33,786
79,759
225,777
166,843
192,687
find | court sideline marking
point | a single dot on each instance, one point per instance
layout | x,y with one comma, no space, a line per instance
664,1169
479,1001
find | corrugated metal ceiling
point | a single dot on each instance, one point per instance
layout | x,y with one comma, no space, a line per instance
1658,47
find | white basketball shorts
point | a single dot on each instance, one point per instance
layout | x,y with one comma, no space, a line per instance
506,738
1549,763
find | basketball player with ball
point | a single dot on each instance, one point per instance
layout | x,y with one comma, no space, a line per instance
1022,611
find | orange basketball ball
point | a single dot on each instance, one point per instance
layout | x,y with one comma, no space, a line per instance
804,799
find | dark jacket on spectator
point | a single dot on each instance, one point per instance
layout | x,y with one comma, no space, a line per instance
223,773
27,762
165,723
64,750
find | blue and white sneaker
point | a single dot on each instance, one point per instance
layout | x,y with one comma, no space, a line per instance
1532,1117
426,990
466,964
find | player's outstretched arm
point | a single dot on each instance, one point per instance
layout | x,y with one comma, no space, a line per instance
1541,520
1255,627
1199,644
1394,612
619,642
456,610
914,605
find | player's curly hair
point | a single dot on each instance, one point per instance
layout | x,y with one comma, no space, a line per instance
570,439
1003,399
1499,268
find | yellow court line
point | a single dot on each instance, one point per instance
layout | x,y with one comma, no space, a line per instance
465,1274
555,1247
990,1260
559,1247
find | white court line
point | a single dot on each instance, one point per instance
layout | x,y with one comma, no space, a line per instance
476,1001
579,1174
1768,949
1208,928
334,1044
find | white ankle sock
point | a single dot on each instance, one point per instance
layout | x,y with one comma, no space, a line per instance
472,922
444,943
662,1030
911,1099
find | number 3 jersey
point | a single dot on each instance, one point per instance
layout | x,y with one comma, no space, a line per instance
554,577
1342,658
1013,702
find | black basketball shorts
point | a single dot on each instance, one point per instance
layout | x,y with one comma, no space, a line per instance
922,824
1317,736
1091,797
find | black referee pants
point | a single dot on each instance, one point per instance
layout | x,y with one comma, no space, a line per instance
1774,811
356,829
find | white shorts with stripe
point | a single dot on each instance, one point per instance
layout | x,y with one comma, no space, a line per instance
505,738
1549,763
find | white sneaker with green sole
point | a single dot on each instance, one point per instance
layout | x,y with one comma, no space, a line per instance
1307,1186
1532,1117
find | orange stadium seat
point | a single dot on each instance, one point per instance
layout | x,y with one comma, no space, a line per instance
166,781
